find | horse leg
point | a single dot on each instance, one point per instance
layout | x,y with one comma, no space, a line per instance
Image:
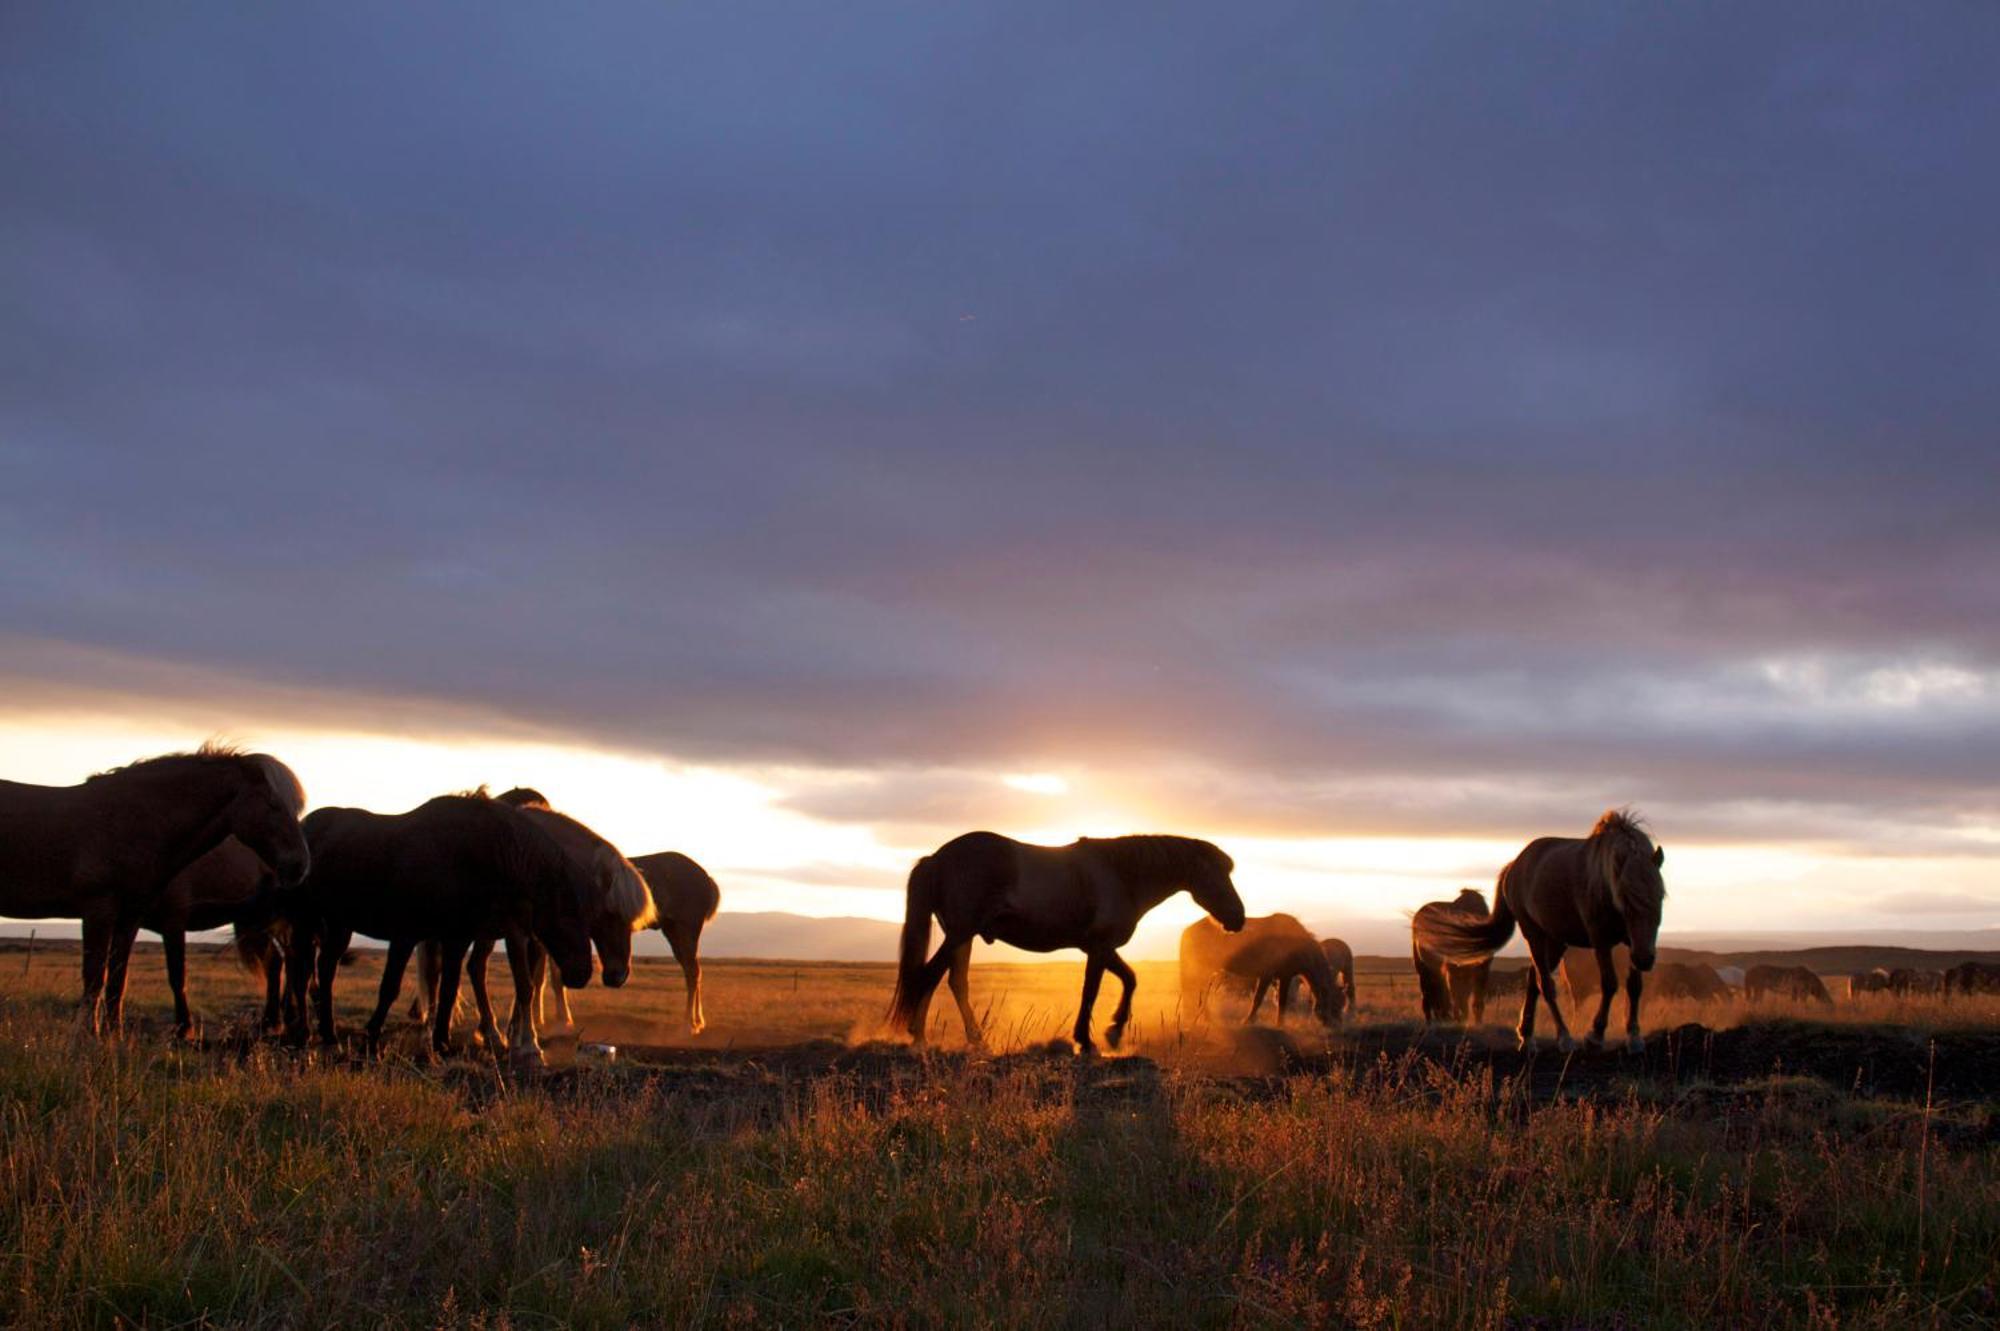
1286,987
298,962
1114,1035
961,992
1526,1030
927,981
330,947
1482,974
392,988
173,942
1635,982
1607,989
1257,1001
685,953
274,978
1093,977
565,1017
489,1030
123,935
525,963
451,959
427,979
97,927
1547,957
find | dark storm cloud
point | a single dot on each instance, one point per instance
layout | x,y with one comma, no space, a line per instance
1573,405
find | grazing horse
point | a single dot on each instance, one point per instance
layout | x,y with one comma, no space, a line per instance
229,885
1904,981
104,851
1340,959
1450,990
1089,894
1869,982
1596,892
619,904
1972,977
1785,982
1271,950
455,869
1690,980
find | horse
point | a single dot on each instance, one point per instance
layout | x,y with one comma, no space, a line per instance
1690,980
619,903
686,899
1449,990
229,885
455,868
1340,959
1089,894
1972,977
1904,981
104,851
1271,950
1785,982
1869,982
1596,891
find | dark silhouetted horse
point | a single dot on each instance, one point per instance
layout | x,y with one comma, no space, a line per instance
1972,977
1447,989
1596,892
229,885
1904,981
1340,960
1869,982
106,850
1784,982
1689,980
618,903
1089,894
1269,951
454,869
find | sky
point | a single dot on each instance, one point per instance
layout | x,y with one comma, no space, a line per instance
1367,436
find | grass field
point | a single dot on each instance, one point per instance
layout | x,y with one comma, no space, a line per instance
789,1168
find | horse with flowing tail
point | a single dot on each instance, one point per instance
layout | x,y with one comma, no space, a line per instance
1562,892
1271,951
454,869
1089,895
618,904
1450,990
104,851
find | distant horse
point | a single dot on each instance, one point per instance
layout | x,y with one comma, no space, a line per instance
1869,982
455,868
1596,892
619,904
1340,959
1904,981
1089,894
1972,977
1731,976
1271,950
104,851
1689,980
1447,989
229,885
1785,982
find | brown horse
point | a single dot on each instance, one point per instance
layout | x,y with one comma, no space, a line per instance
686,899
455,869
1340,960
1689,980
1785,982
619,905
1271,950
1089,894
1869,982
104,851
1904,981
229,885
1448,989
1596,892
1972,977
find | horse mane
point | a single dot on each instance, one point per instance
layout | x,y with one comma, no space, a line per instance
1622,830
625,891
525,797
479,792
211,754
1156,858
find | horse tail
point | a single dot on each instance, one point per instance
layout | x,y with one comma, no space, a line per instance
916,943
1451,936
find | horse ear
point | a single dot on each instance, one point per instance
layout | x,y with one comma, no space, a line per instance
1659,856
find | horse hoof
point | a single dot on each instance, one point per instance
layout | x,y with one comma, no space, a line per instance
1085,1049
696,1027
526,1060
1566,1044
1114,1036
1593,1041
1635,1045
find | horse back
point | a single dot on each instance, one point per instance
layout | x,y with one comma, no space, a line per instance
1549,889
683,892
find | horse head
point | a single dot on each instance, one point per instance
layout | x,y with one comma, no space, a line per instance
1631,866
624,906
1210,885
264,816
561,920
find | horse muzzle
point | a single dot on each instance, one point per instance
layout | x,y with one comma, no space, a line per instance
615,979
1643,963
578,977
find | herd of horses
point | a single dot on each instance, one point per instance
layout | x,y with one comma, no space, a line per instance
218,837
